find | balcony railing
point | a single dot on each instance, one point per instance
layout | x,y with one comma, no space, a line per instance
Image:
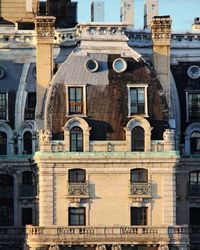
27,190
78,189
121,235
140,189
194,189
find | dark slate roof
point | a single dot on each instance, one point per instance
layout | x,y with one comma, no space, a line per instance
10,81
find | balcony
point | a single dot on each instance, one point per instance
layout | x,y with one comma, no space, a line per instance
193,189
107,235
79,190
27,191
140,190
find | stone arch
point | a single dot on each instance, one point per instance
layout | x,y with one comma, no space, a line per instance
26,127
194,127
4,127
138,121
77,122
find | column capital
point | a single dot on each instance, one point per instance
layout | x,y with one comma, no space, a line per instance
44,29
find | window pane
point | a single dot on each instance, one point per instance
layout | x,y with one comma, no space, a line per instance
137,100
138,216
195,143
139,175
3,143
77,175
75,100
194,106
77,216
27,143
138,139
76,139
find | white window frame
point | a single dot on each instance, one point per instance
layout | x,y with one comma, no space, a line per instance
84,100
187,102
6,93
145,86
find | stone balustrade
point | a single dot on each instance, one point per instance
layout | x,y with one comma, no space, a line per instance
93,235
140,189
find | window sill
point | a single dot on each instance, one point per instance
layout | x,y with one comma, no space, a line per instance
142,115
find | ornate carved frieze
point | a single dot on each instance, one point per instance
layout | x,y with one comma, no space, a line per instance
44,27
143,189
53,92
78,189
45,136
161,30
101,247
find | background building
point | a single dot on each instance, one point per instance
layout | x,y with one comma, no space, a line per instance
150,10
127,12
97,11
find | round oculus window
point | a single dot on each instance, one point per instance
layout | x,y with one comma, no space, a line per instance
91,65
2,72
194,72
119,65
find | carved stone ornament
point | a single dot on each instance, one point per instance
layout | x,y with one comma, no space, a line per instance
54,247
101,247
116,247
169,135
45,136
163,247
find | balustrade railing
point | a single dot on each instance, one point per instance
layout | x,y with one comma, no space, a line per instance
140,189
78,189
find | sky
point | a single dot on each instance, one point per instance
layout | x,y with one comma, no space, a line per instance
182,12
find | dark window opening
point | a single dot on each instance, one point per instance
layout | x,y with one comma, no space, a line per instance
137,101
76,140
194,106
30,106
3,143
139,175
138,216
77,176
27,178
27,139
194,216
194,183
27,216
76,216
138,139
75,100
195,143
3,106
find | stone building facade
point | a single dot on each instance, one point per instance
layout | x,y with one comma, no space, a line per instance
108,156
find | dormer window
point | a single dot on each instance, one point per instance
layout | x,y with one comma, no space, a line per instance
137,100
76,100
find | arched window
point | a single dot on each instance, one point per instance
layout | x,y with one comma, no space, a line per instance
139,175
6,200
76,139
195,143
3,143
77,176
27,140
137,139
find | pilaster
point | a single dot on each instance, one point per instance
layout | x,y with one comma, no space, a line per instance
44,32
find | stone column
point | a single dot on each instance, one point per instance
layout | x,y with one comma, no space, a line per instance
161,36
44,32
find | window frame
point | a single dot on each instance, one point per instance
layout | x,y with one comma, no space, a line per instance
6,106
77,173
70,223
135,146
83,114
188,118
140,172
142,216
136,86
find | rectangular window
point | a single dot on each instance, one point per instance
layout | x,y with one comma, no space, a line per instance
137,95
75,98
76,216
30,106
138,216
193,101
3,106
27,217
